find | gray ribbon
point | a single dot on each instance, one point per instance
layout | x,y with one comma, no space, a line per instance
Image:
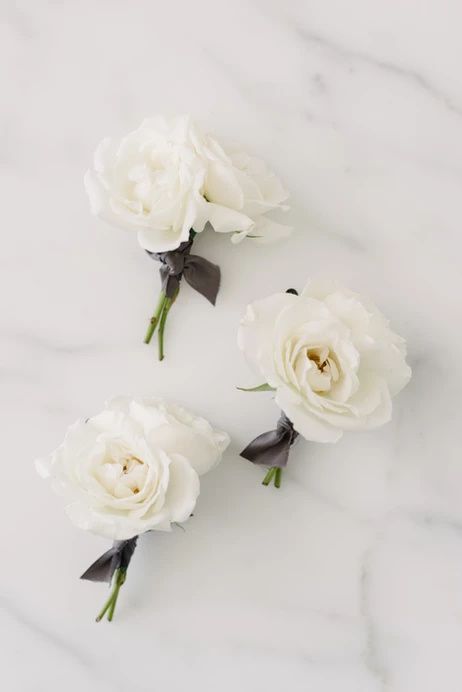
272,448
118,556
200,274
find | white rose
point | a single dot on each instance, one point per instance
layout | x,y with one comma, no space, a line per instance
150,181
331,357
166,178
240,190
133,467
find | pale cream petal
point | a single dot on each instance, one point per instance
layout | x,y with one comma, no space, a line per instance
183,489
256,331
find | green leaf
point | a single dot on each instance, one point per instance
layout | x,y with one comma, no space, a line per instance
261,388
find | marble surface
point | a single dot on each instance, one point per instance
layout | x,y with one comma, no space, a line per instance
349,578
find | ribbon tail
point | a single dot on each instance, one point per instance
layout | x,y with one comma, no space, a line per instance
103,568
269,449
203,276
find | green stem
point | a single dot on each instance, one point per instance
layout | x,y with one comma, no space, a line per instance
277,478
269,476
274,473
109,607
155,318
163,318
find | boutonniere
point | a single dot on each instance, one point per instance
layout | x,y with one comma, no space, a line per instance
168,181
130,469
332,362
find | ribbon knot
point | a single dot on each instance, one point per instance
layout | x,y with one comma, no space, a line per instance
174,262
272,448
285,427
117,557
199,273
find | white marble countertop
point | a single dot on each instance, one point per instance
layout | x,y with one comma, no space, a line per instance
349,578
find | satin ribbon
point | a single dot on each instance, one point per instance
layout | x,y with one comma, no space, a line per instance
272,448
117,557
199,273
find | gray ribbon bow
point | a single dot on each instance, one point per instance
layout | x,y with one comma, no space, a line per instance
272,448
200,274
118,556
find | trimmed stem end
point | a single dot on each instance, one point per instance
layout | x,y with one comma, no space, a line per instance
274,474
109,607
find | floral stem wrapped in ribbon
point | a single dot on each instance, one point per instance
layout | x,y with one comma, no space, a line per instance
198,272
332,362
169,181
130,469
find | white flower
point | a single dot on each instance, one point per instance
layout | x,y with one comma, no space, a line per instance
150,181
133,467
240,190
331,357
166,177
